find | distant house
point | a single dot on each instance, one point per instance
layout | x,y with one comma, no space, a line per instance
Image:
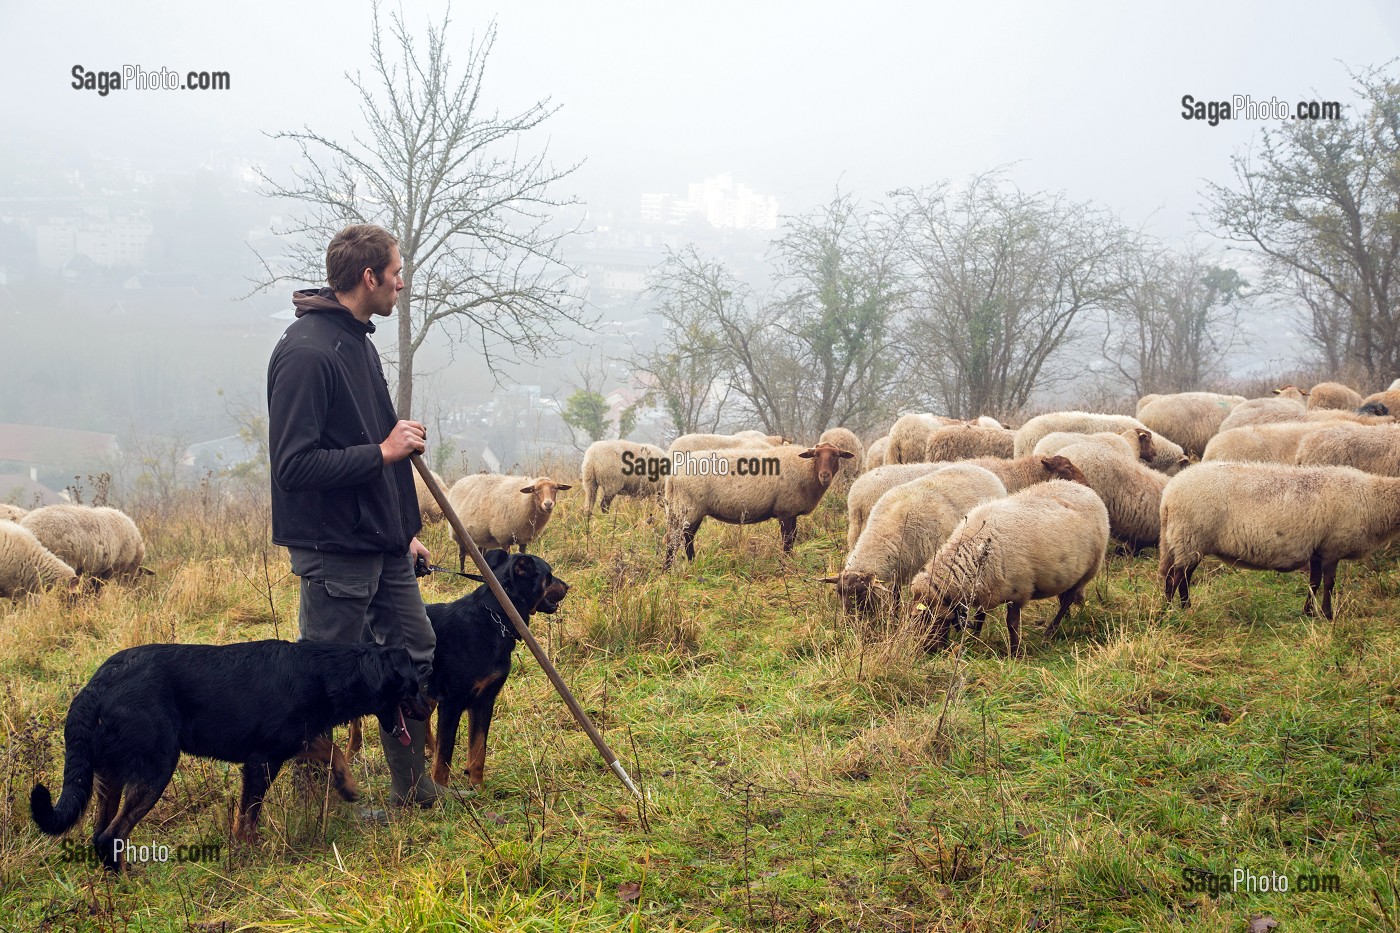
31,445
25,491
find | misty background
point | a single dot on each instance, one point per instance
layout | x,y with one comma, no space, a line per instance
132,224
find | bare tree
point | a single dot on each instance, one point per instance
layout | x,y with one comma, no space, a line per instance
998,280
476,219
1175,320
1319,202
686,369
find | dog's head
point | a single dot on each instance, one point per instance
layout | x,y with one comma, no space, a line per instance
528,580
397,687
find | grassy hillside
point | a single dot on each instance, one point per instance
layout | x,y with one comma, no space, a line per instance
801,771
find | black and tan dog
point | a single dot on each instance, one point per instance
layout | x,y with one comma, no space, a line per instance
258,704
475,642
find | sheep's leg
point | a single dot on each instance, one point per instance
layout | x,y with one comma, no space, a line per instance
1066,600
604,504
1013,628
937,638
1329,577
688,535
1314,584
977,619
461,556
787,527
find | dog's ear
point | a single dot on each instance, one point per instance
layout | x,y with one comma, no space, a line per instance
496,557
524,568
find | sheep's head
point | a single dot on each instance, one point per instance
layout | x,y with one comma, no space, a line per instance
544,490
1374,408
1291,391
1147,451
826,461
862,591
1058,467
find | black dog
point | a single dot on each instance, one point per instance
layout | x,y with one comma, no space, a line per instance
257,704
475,641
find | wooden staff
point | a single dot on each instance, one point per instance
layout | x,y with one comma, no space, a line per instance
521,628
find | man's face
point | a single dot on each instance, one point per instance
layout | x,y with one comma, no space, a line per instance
383,294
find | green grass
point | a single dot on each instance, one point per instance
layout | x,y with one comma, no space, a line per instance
801,771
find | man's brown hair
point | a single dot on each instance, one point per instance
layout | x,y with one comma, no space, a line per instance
353,250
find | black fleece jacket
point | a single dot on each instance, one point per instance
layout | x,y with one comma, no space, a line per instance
328,408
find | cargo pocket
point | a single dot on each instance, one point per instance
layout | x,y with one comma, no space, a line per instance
334,610
351,589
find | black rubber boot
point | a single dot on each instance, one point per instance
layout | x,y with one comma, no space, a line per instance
408,768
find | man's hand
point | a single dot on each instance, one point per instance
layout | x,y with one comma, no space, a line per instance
405,439
421,556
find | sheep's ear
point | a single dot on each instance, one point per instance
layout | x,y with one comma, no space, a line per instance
807,454
846,455
827,580
529,490
562,487
1278,390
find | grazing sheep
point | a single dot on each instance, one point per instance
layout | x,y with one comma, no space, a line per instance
498,511
10,512
844,439
1015,475
875,454
1381,403
1268,443
1263,411
907,527
620,468
1268,516
428,507
1333,395
737,489
1134,442
1167,457
26,566
1190,419
1369,449
97,542
968,440
1047,540
1130,490
910,434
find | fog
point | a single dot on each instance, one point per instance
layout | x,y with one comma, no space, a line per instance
791,100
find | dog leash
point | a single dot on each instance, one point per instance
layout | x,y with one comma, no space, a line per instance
422,569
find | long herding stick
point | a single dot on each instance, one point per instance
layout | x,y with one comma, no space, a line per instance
521,628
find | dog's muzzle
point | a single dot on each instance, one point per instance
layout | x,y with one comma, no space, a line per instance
553,594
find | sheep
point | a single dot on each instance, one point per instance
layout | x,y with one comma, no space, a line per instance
737,488
1263,411
1369,449
11,513
1015,475
1134,442
1190,419
906,528
1130,490
26,566
1381,403
428,507
967,440
1047,540
620,468
1168,456
1333,395
498,511
910,434
1268,516
690,442
844,439
875,454
99,542
1291,392
1394,386
1271,443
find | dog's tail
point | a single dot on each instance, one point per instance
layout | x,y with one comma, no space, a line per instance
78,746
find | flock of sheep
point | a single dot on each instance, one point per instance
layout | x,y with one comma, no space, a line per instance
963,515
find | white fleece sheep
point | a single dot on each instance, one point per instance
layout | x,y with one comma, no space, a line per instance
724,441
1333,395
1130,490
499,510
907,527
1266,443
1190,419
1046,540
10,512
968,440
729,491
876,453
610,469
1371,449
428,507
1263,411
1382,403
758,437
1134,442
1269,516
26,566
98,542
909,436
1168,456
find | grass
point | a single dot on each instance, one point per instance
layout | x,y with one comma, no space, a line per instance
801,771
